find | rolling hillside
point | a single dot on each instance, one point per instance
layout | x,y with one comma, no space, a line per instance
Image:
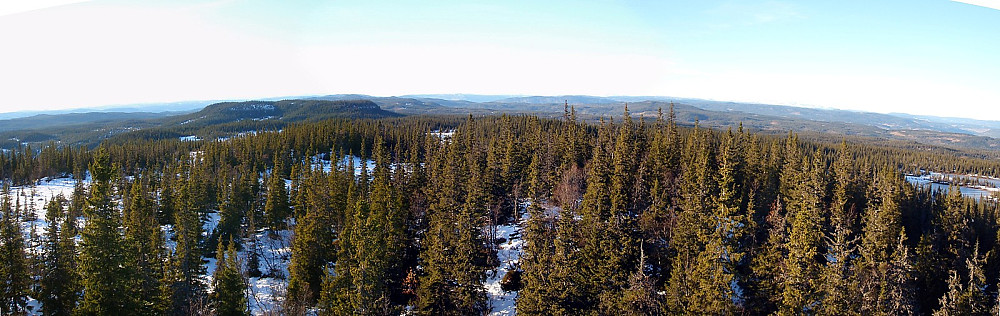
229,118
216,120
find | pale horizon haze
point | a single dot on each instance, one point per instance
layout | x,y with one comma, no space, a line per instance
919,57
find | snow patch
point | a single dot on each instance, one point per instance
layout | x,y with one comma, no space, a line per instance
509,256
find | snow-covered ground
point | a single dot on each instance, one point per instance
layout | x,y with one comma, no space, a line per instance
266,294
509,256
327,165
33,199
443,135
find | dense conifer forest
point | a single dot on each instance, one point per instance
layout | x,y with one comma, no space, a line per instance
625,216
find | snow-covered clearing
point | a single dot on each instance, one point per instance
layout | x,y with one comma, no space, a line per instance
266,294
509,255
343,162
33,199
443,135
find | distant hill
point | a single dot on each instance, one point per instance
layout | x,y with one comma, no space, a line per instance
216,120
461,97
576,99
227,118
44,121
285,110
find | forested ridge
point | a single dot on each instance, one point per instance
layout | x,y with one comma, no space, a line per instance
626,216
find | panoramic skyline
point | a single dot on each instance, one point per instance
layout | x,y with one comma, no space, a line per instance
918,57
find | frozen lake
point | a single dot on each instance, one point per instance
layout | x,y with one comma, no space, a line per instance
925,180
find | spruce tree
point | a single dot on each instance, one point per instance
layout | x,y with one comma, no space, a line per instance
597,272
145,245
538,295
104,268
717,265
276,208
838,272
883,258
313,234
370,248
58,291
187,289
14,270
970,297
697,187
230,296
800,287
452,257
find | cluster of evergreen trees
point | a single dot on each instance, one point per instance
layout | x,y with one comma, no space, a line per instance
628,217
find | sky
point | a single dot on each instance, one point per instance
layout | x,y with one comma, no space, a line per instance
919,57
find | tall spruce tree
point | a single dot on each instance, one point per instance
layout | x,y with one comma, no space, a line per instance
538,295
716,266
145,245
697,187
230,295
838,272
452,258
14,270
970,297
883,255
370,250
314,233
58,291
804,198
104,269
187,289
276,207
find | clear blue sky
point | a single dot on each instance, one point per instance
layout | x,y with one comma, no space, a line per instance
920,57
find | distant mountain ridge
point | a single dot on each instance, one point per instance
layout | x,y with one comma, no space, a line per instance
41,121
284,110
270,113
215,120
